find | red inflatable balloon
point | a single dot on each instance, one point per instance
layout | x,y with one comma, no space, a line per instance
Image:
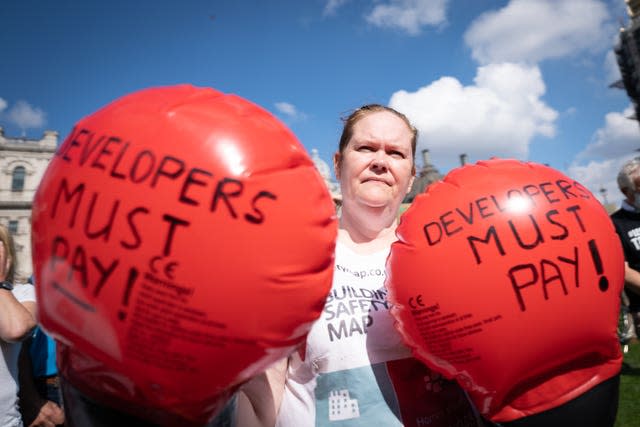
183,241
507,277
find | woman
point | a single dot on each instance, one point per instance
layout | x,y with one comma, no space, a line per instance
354,369
17,320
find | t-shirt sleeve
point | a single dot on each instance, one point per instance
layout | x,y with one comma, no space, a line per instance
25,292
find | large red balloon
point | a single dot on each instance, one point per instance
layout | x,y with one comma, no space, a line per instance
507,277
183,241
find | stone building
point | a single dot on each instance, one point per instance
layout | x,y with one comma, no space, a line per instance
426,175
325,172
22,164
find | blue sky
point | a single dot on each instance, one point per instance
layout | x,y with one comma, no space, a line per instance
525,79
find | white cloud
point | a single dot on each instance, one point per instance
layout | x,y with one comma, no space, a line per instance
598,164
24,116
408,15
289,110
332,5
497,116
535,30
618,137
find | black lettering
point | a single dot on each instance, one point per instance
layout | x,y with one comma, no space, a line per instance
105,231
481,203
355,326
105,151
173,222
517,286
223,194
258,218
565,188
63,190
342,309
79,265
551,273
491,233
446,223
133,173
71,142
59,251
565,230
165,169
513,192
114,173
366,322
548,192
538,235
531,190
428,235
338,334
574,210
574,262
134,230
584,193
495,202
104,274
328,308
191,179
467,218
89,148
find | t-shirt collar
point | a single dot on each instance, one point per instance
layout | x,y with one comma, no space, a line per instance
628,207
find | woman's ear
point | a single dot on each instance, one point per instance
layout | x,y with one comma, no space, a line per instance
336,164
413,178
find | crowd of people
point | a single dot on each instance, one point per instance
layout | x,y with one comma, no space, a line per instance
375,166
627,224
29,393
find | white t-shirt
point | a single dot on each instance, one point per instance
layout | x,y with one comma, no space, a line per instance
356,371
9,414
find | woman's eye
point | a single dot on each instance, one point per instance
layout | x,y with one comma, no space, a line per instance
365,148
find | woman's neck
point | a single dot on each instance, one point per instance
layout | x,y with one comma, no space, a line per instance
367,232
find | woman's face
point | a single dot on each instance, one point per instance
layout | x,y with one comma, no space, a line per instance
376,167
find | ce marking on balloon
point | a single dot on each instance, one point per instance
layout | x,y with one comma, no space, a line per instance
158,264
416,302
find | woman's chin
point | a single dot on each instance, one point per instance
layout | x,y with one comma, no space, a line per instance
376,202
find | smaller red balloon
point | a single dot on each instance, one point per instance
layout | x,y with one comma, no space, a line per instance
507,277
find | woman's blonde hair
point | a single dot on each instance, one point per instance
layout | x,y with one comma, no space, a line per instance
7,241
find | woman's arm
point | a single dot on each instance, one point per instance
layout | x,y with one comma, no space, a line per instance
258,401
36,410
17,319
631,279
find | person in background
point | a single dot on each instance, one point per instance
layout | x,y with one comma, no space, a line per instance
40,398
627,224
354,369
17,320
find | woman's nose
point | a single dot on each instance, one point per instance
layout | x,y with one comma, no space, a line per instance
379,161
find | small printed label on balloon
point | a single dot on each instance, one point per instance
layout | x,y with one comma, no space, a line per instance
440,330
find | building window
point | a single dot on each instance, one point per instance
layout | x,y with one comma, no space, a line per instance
17,181
13,226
